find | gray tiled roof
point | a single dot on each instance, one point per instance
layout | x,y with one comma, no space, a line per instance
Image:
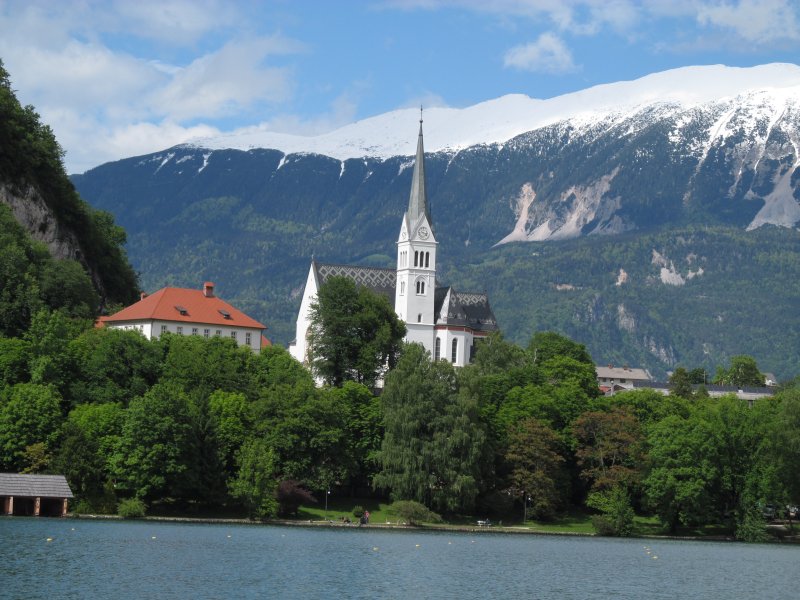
41,486
464,309
382,281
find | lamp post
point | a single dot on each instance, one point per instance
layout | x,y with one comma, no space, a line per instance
327,493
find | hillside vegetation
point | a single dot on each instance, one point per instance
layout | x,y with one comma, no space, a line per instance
31,169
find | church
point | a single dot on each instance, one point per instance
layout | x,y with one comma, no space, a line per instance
446,322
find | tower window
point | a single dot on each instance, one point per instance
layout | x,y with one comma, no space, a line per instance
437,349
416,258
402,288
427,257
454,353
420,288
419,318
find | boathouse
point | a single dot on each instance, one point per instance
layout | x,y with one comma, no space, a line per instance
34,495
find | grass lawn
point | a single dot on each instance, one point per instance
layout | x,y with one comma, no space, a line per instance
343,507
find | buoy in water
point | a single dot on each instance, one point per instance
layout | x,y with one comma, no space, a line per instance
49,539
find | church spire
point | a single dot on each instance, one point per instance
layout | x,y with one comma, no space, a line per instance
418,200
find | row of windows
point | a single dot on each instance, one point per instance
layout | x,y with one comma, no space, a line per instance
437,351
421,258
420,287
248,339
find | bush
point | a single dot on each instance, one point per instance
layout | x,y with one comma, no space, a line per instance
413,513
358,511
617,514
290,496
132,508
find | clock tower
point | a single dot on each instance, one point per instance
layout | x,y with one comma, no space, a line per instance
416,261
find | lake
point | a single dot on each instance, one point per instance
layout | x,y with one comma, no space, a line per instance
134,559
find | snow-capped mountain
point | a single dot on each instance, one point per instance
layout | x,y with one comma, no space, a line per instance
497,121
662,176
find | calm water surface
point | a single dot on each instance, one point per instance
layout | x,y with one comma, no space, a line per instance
132,560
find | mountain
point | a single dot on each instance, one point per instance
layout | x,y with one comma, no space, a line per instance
663,185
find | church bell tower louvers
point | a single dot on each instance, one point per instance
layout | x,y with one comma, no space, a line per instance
416,260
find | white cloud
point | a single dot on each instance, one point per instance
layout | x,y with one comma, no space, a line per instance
548,54
756,21
230,79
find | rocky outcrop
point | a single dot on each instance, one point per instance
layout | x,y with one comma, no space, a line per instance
31,211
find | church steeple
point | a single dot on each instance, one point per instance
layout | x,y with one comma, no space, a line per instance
418,199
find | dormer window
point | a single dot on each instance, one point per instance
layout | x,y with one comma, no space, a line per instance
182,310
225,314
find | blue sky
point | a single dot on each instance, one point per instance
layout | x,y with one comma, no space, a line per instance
127,77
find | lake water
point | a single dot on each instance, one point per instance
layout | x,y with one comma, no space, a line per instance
133,560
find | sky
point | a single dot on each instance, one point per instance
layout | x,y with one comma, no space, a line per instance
120,78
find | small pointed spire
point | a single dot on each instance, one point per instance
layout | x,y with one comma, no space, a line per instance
418,199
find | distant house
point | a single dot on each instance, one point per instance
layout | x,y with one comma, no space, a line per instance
34,495
750,394
613,379
183,311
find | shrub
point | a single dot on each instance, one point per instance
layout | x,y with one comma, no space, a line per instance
413,513
358,511
132,508
290,496
617,514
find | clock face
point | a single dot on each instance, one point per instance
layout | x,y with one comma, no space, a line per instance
423,233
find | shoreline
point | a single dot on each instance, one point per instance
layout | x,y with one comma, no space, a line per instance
496,529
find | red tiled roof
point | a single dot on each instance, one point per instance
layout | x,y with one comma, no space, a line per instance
265,342
199,308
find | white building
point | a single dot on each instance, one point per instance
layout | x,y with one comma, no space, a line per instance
183,311
444,321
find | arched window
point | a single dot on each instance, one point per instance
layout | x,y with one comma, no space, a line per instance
454,354
427,261
420,288
416,257
419,318
437,349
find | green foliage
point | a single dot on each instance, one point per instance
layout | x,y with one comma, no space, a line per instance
155,456
433,442
413,513
29,414
131,508
354,335
616,518
742,372
358,511
290,496
536,467
31,160
752,527
255,484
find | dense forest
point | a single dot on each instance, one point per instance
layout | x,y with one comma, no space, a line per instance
188,424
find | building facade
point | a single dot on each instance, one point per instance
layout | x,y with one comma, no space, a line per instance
446,322
181,311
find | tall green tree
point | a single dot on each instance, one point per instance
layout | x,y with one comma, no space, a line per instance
355,334
743,371
29,414
434,440
536,466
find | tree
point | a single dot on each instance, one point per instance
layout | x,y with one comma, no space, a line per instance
614,504
291,495
155,455
433,445
545,345
355,335
609,447
255,484
742,372
29,414
535,461
680,384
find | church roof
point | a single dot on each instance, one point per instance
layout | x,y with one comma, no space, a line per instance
464,309
381,281
418,199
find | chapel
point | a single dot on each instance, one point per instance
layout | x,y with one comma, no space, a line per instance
445,321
